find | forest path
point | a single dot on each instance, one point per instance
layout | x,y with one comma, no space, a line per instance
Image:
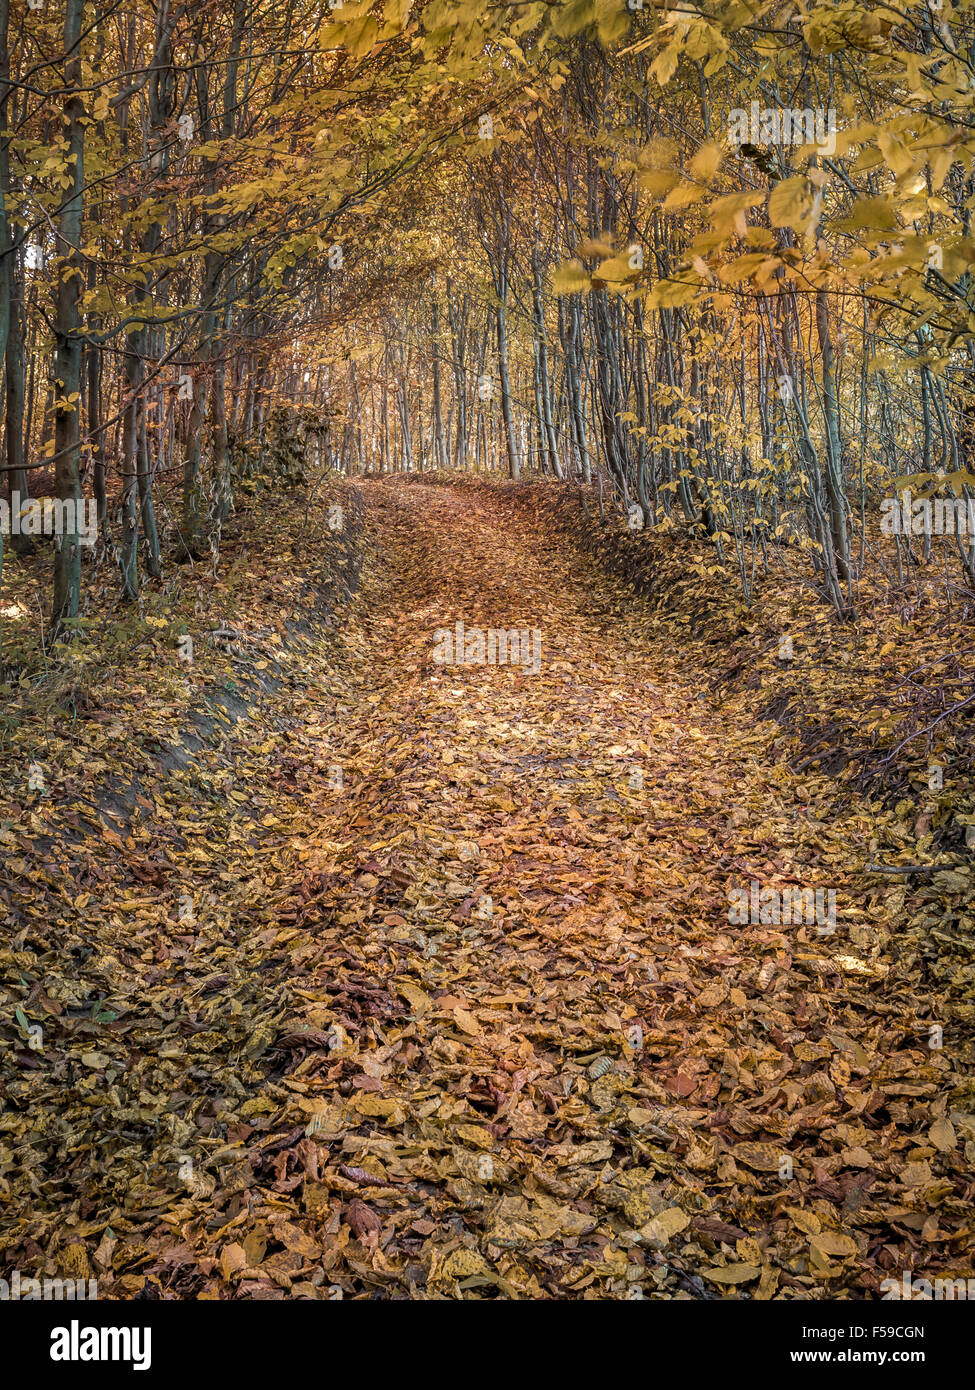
421,981
582,1076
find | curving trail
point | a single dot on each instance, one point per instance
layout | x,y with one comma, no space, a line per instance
570,1072
461,1012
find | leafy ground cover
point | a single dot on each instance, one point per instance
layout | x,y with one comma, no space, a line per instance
419,979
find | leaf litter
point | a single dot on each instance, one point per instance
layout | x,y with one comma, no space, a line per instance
457,1010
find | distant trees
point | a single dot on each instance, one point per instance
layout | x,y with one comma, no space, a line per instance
755,339
527,237
181,192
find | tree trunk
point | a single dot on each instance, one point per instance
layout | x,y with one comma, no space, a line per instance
67,337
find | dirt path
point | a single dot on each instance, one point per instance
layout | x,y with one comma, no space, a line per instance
466,1015
537,864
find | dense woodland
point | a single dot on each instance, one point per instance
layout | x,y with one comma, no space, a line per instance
646,328
531,241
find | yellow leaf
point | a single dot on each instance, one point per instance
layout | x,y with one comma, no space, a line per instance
683,195
807,1221
733,1274
570,278
834,1243
728,213
942,1136
379,1108
764,1158
741,268
664,1226
657,182
705,163
419,1002
790,204
669,294
664,65
940,162
898,158
232,1259
466,1022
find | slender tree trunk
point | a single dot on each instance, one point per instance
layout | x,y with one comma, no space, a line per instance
439,434
67,336
834,475
11,309
506,412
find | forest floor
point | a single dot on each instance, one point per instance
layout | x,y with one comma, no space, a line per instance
453,1005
